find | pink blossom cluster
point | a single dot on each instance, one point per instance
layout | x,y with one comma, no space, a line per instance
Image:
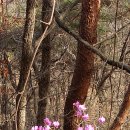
48,124
87,127
80,113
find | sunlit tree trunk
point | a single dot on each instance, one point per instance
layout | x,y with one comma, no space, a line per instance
123,113
44,79
25,63
84,61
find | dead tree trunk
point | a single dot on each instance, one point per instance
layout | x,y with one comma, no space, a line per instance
25,62
84,62
123,113
44,79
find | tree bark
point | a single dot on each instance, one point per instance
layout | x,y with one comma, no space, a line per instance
84,61
123,113
44,80
27,51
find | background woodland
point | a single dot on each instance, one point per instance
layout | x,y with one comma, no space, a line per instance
54,53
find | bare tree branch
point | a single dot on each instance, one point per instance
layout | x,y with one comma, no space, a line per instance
90,47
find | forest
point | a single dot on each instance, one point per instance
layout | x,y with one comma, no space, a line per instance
64,64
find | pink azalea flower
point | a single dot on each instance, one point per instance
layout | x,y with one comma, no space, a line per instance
80,128
101,120
76,104
47,121
47,127
37,128
82,107
56,124
40,128
78,113
89,127
34,128
85,117
79,107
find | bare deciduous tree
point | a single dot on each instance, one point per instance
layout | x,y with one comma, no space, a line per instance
44,79
84,61
25,63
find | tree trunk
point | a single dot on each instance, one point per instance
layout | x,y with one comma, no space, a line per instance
84,61
45,68
25,63
123,113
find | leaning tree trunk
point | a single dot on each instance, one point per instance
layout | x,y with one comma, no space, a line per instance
123,113
44,79
84,61
25,63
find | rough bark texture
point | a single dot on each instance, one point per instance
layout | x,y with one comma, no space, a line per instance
123,113
45,68
84,62
25,62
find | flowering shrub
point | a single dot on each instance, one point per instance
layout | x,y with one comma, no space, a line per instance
48,125
81,117
101,120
